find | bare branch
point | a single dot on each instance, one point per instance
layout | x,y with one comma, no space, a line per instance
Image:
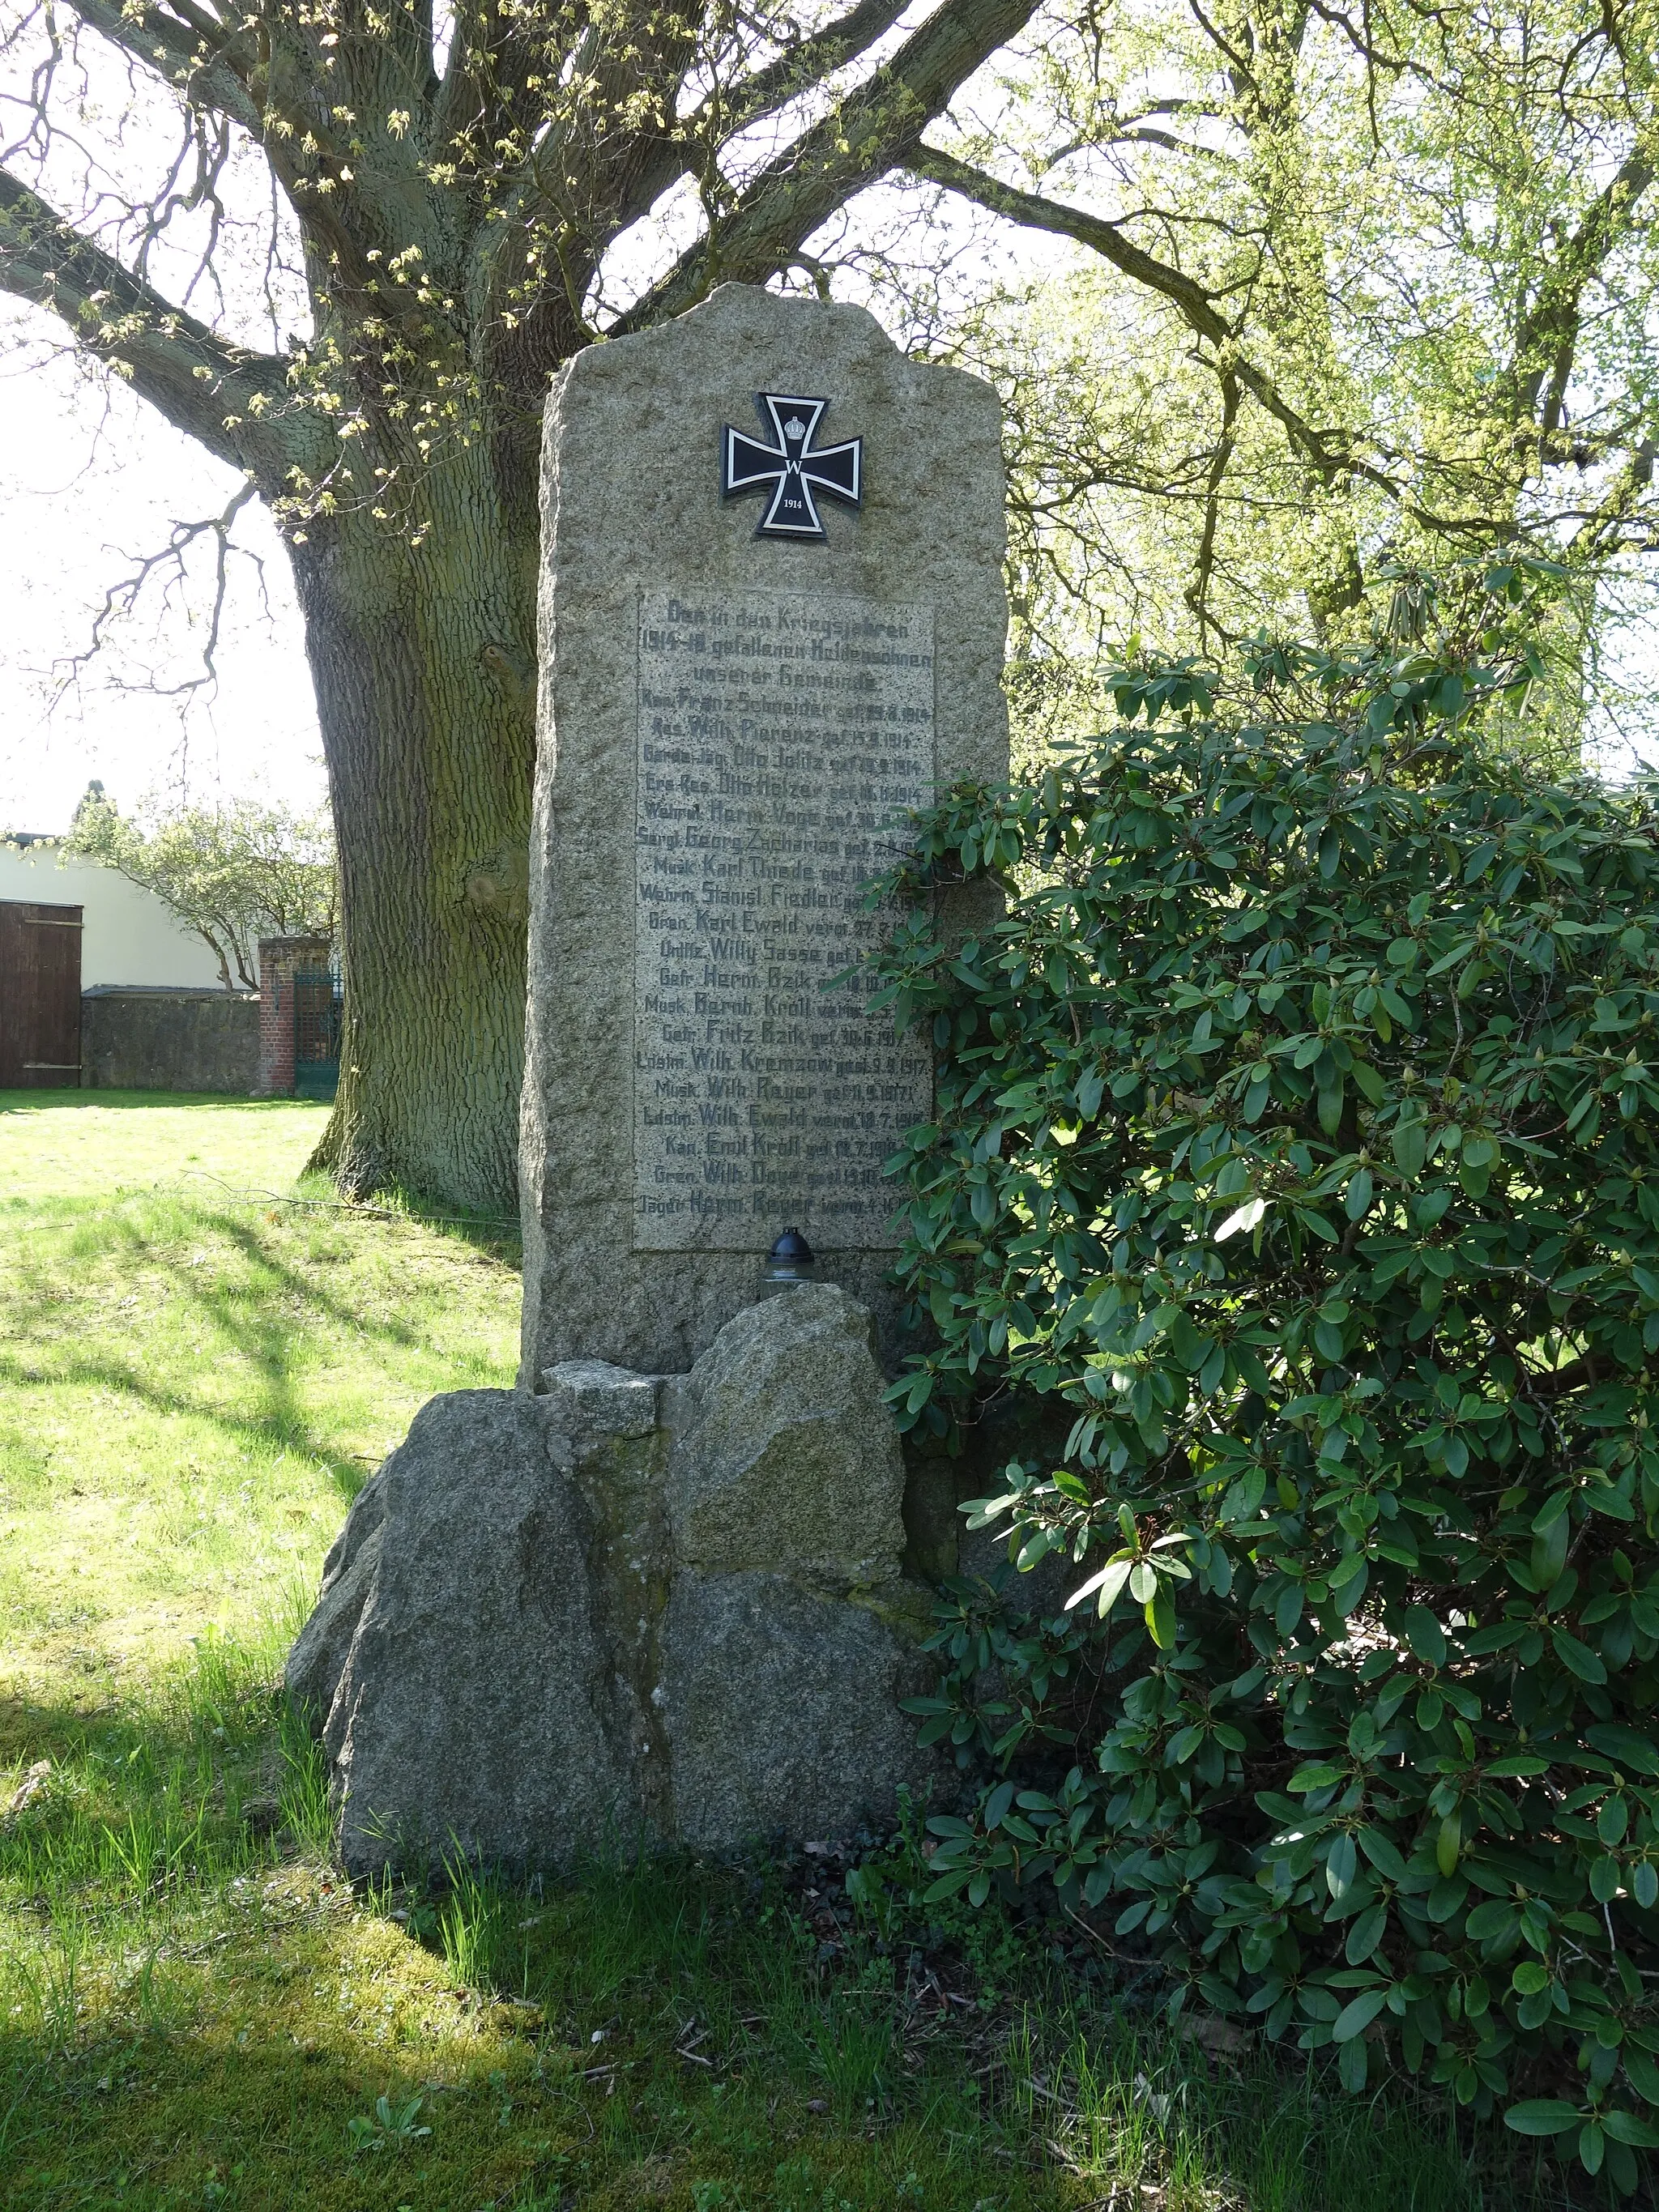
1549,334
206,62
280,98
557,176
215,392
1197,594
1036,212
1326,450
802,63
122,597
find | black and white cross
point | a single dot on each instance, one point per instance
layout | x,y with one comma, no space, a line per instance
790,470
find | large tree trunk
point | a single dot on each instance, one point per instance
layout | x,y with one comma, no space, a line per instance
421,638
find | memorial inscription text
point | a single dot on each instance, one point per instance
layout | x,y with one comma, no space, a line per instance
781,739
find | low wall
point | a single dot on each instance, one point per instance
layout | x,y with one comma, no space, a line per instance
147,1038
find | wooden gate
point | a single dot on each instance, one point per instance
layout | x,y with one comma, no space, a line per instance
39,996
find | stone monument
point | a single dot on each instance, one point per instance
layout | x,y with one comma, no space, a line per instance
657,1593
772,621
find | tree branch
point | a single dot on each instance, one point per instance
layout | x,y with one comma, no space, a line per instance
797,69
874,129
557,176
804,64
1036,212
1197,593
195,55
121,597
1547,337
1557,1382
259,84
174,361
1328,451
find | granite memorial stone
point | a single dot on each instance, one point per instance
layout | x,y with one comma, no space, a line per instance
772,623
657,1592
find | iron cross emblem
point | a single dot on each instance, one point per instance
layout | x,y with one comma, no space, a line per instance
792,470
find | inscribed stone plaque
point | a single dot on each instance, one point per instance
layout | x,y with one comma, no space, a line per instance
729,727
782,737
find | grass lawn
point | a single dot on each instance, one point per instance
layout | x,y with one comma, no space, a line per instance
200,1362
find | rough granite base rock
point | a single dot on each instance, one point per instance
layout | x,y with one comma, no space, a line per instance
632,1611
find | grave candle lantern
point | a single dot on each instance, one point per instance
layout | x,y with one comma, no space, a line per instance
791,1261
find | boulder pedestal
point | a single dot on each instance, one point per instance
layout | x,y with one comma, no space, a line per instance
631,1611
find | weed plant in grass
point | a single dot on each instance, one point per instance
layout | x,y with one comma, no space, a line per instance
196,2010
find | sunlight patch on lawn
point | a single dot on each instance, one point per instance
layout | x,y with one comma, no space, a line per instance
192,1386
61,1144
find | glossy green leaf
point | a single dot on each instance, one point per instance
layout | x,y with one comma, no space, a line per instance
1358,2015
1542,2116
1341,1316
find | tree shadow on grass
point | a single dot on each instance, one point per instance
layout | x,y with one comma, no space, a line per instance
496,1236
231,2022
261,2061
273,1317
286,1427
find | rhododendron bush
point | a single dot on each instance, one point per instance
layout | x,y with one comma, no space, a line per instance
1297,1135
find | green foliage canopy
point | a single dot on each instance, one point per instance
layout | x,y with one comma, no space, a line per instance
232,874
1297,1132
1344,286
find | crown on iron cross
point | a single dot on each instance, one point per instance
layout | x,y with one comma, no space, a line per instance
792,470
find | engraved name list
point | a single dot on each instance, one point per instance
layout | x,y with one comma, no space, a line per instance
781,738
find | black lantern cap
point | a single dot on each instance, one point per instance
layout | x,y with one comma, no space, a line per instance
791,1245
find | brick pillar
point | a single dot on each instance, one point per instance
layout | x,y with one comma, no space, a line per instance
280,957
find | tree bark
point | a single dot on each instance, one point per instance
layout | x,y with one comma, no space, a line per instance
422,646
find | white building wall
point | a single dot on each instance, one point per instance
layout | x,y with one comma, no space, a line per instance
128,935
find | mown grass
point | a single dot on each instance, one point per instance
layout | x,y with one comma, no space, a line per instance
198,1367
196,2010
